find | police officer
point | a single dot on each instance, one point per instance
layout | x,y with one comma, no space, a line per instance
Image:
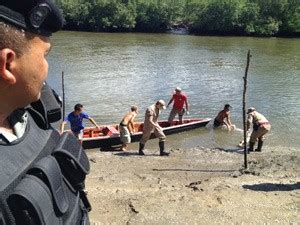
261,126
36,163
151,125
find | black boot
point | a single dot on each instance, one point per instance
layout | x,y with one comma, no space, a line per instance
251,146
142,146
162,149
259,145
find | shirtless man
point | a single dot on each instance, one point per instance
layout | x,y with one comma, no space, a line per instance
223,118
126,127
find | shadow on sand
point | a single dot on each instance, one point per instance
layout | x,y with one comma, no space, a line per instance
193,170
111,148
128,154
272,187
233,150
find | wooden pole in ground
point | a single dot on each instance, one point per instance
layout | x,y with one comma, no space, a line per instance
63,93
244,110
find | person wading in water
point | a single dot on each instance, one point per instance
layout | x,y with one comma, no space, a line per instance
223,118
261,126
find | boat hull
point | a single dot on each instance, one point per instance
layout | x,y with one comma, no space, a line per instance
114,139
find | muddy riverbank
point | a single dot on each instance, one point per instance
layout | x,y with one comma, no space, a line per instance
194,186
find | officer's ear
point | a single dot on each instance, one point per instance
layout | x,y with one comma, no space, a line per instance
7,59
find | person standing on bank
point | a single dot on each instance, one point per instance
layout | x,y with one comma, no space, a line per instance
261,126
224,118
75,119
180,100
151,125
35,186
126,127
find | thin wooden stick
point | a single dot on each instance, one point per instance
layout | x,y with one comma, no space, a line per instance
244,110
63,92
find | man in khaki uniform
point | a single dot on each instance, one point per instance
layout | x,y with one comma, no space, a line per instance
151,125
261,126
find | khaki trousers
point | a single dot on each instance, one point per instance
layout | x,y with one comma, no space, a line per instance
259,133
147,134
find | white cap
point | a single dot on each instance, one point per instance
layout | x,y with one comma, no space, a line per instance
251,109
162,103
178,89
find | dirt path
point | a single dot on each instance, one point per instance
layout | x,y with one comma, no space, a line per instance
194,186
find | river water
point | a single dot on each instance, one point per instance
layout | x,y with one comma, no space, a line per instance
108,73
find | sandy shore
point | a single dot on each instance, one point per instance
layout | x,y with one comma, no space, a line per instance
195,186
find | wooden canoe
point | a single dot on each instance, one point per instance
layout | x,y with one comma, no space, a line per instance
109,135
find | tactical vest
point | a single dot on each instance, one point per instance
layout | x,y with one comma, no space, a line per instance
42,175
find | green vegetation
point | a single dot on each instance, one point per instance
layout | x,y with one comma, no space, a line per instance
219,17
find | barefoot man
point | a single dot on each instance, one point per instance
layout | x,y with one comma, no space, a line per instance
126,127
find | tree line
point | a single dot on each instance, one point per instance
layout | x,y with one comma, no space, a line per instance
206,17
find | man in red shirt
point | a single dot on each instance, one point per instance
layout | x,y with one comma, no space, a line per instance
178,107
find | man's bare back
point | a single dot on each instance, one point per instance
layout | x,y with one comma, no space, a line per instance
128,118
127,127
